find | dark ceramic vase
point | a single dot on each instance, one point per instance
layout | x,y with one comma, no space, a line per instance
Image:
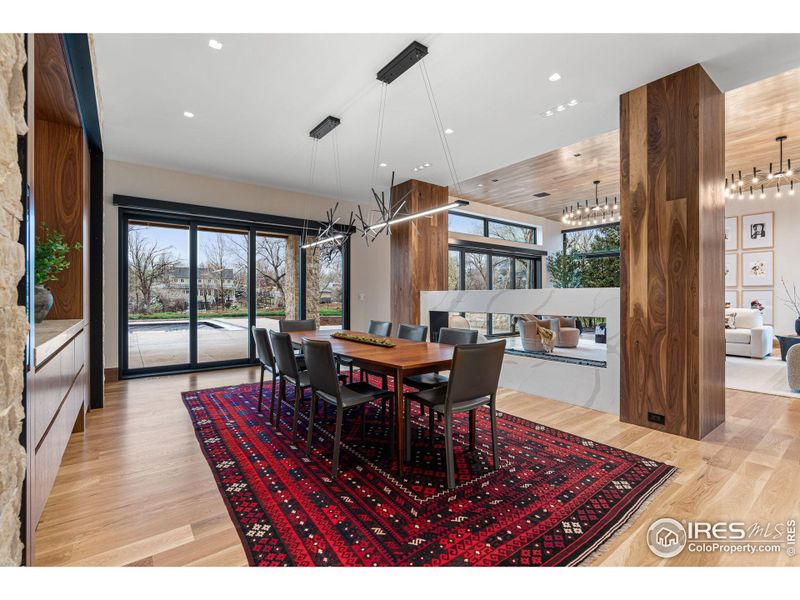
42,303
797,326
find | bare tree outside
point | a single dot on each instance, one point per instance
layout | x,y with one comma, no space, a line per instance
149,264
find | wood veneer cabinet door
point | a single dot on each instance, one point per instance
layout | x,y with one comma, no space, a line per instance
672,248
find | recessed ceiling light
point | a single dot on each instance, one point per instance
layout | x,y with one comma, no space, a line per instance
426,165
188,115
215,44
480,185
572,102
448,131
382,165
561,108
548,113
554,77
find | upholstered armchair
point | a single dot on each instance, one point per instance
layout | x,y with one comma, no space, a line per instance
567,335
529,332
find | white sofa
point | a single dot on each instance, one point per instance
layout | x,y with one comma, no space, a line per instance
749,337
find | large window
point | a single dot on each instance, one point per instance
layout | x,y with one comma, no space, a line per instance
193,287
491,228
492,269
596,252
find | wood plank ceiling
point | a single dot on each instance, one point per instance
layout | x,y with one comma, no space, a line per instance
754,116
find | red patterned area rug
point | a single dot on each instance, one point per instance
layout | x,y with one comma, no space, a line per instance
555,499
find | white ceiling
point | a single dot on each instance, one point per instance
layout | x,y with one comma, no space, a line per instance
256,99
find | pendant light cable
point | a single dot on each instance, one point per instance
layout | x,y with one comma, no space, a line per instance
437,119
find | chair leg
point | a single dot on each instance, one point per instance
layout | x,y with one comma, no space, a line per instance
448,450
392,417
261,389
421,409
431,427
281,399
472,429
272,399
351,374
407,423
493,417
337,440
298,393
312,410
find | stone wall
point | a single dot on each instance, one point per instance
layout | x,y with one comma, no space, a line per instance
13,323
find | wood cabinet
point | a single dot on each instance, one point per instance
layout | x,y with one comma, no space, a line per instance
58,178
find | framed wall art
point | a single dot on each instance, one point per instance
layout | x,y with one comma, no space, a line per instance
758,231
731,233
731,269
757,269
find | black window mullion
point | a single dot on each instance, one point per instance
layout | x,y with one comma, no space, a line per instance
252,306
513,272
193,294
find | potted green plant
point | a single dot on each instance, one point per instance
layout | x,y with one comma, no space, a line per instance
51,259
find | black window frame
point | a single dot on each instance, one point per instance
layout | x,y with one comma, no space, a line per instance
534,269
487,220
591,255
194,216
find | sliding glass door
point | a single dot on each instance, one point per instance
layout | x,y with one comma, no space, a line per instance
223,258
193,288
158,294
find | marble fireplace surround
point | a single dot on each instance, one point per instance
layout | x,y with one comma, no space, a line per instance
582,385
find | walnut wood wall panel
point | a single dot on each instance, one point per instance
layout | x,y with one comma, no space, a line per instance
671,169
55,100
59,158
418,249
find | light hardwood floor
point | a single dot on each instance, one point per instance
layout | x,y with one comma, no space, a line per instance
135,488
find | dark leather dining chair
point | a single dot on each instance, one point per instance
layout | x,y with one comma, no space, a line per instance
287,364
383,328
267,360
472,384
286,325
325,386
415,333
452,337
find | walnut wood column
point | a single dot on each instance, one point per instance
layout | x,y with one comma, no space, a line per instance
418,249
672,216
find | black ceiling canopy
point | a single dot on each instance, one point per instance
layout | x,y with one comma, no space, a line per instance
402,62
327,125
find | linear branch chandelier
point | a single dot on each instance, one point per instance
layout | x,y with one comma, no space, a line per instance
386,212
585,214
761,181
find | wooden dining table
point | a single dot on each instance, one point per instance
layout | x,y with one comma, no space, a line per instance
403,359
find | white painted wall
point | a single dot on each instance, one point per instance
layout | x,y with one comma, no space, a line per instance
369,266
786,242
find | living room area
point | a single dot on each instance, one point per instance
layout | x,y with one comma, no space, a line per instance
762,297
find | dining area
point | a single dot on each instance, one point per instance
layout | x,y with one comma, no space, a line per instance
343,378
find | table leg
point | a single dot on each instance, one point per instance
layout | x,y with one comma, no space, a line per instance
399,411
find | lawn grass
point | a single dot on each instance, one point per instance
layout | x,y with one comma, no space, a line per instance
324,312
